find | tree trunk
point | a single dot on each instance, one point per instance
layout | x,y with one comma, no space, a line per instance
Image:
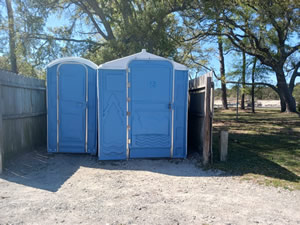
222,72
12,38
293,78
282,104
243,81
284,91
253,86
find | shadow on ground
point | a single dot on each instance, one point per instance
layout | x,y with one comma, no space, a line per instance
49,172
45,171
266,143
260,154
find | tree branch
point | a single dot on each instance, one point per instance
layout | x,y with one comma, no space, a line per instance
293,78
257,83
90,15
98,10
254,41
48,37
199,64
292,50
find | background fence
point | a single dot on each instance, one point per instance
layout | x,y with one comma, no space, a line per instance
22,114
201,101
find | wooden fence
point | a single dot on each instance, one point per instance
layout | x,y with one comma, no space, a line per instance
22,114
201,101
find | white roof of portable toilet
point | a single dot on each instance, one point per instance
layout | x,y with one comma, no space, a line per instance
73,59
122,63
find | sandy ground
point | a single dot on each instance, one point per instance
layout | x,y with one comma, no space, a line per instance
258,103
38,188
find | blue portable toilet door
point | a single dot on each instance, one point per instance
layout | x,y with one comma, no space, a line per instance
72,110
150,108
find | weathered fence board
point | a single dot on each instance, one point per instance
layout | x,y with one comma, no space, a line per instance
1,132
201,115
22,114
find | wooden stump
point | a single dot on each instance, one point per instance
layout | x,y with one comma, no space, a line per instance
223,145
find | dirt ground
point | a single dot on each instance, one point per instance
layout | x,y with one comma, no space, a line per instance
38,188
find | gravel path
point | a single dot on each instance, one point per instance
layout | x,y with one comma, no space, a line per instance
75,189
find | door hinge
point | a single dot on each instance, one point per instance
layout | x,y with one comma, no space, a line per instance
128,127
128,84
128,99
128,113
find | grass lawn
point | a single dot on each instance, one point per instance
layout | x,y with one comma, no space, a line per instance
264,147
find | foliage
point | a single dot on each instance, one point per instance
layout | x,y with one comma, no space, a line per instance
263,29
184,30
115,29
262,72
31,53
25,68
261,93
100,30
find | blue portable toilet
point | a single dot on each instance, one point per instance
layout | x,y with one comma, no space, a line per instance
72,106
142,108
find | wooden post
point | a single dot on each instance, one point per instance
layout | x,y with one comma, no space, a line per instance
223,145
237,101
1,132
207,123
212,102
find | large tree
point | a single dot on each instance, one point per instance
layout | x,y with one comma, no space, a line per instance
100,30
20,52
222,67
253,85
193,18
268,30
115,28
11,36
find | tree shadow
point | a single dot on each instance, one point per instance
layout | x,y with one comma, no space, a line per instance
260,154
41,170
49,172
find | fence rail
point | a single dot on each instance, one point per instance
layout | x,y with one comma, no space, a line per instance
201,101
22,114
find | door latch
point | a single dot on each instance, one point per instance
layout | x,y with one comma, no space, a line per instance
171,106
